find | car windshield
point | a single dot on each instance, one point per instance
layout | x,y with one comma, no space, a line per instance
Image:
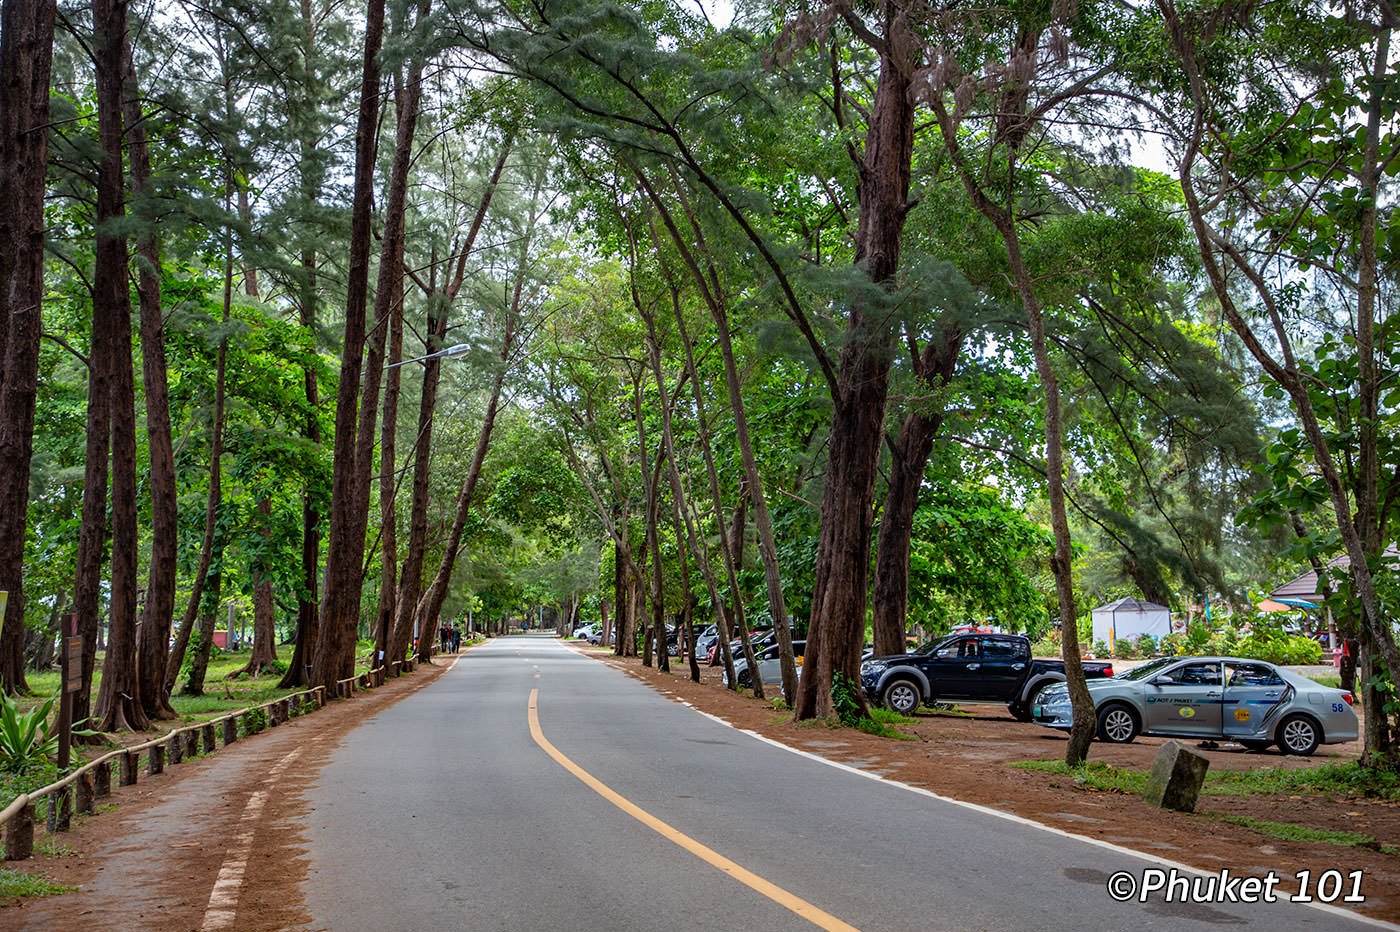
931,646
1147,669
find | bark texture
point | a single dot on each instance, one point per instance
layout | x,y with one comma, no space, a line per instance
26,57
411,577
335,644
908,461
157,616
837,630
118,704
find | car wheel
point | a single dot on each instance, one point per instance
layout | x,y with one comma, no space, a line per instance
1022,713
744,679
1117,724
1298,734
902,697
1251,745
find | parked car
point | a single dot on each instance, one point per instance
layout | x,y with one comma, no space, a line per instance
583,631
770,668
967,668
1249,702
757,640
705,639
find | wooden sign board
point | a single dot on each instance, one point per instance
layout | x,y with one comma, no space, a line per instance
73,647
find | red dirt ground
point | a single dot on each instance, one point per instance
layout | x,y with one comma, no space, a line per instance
967,757
151,863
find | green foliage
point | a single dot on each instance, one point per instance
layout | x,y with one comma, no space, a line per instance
16,884
27,738
1266,640
969,559
254,721
845,699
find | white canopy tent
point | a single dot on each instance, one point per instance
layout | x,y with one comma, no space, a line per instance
1130,618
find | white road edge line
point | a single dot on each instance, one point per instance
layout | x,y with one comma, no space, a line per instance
223,899
1022,820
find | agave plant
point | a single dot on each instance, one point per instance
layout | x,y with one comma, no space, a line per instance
26,738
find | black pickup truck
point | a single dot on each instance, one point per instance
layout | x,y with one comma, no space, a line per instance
967,668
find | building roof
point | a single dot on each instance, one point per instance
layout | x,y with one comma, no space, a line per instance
1304,586
1130,604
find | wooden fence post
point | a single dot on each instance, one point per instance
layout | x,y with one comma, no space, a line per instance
230,730
131,765
19,835
83,791
175,750
191,743
155,759
102,779
207,735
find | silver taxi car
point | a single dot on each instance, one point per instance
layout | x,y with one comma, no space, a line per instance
1250,702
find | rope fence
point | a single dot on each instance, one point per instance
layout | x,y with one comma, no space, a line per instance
79,790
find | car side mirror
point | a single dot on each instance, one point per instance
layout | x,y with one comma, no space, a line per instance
1163,681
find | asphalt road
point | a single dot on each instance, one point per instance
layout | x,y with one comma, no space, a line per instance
444,812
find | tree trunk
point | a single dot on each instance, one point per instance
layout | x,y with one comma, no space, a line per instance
685,530
715,301
388,314
411,577
304,114
740,628
215,497
204,640
158,614
431,604
910,458
45,651
335,645
836,634
388,487
264,654
118,706
26,57
652,488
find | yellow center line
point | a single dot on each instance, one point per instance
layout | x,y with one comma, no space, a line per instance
796,904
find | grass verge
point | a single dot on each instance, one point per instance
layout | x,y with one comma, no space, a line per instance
882,722
17,884
1287,831
1349,779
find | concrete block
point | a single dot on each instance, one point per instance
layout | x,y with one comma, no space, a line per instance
1176,778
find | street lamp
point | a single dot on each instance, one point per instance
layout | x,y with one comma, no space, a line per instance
451,352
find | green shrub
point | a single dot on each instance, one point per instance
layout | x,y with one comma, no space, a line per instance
26,738
254,721
845,697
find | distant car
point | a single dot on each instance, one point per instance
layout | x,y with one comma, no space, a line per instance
757,641
770,668
584,631
1250,702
